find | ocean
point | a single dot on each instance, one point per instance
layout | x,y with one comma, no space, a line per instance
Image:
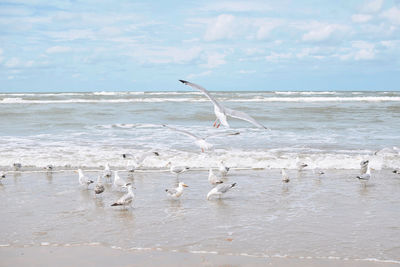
328,130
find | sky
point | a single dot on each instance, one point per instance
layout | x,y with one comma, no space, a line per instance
100,45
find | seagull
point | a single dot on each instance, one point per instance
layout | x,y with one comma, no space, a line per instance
213,179
300,165
17,166
219,190
84,180
366,176
222,112
223,169
176,192
285,177
126,199
176,169
364,166
99,188
107,172
200,141
49,168
2,175
137,161
118,181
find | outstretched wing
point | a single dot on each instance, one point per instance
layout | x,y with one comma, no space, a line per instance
182,131
243,116
204,91
219,134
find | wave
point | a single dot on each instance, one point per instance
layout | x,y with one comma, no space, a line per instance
65,155
18,100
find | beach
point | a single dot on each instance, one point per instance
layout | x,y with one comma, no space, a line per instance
314,220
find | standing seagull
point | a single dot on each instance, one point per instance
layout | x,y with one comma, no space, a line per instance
107,172
364,166
223,169
285,177
213,179
219,190
99,188
222,112
135,162
366,176
176,169
126,199
300,165
199,141
175,193
118,181
84,180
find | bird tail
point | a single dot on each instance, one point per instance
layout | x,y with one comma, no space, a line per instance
116,204
233,184
91,182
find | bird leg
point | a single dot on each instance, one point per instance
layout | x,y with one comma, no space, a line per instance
218,125
215,122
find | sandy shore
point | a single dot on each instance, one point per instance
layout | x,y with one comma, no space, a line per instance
108,257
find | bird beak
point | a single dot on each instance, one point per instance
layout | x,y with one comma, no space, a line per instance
76,171
185,185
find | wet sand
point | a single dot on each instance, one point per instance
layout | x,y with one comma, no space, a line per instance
313,221
107,257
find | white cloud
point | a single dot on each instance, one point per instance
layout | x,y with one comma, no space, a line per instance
361,50
321,32
214,60
58,49
237,6
223,27
246,71
201,74
265,28
17,63
72,35
12,63
393,15
165,55
361,18
372,6
278,56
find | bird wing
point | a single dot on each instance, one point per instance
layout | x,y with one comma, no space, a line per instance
243,116
223,188
219,134
183,132
172,191
205,92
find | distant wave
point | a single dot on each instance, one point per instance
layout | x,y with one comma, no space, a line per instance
19,100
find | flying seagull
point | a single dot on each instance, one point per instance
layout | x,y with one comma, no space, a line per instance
222,112
199,141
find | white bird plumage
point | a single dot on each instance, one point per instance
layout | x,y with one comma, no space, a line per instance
222,112
212,178
83,179
176,169
219,190
300,165
99,188
199,141
223,170
118,181
176,192
366,176
126,199
107,172
285,177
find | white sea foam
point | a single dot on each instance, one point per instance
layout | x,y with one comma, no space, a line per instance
226,99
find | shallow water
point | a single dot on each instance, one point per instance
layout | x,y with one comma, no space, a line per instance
329,216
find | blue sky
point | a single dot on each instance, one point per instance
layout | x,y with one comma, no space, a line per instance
97,45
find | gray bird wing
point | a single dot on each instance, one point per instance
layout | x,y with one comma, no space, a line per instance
205,92
183,132
243,116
